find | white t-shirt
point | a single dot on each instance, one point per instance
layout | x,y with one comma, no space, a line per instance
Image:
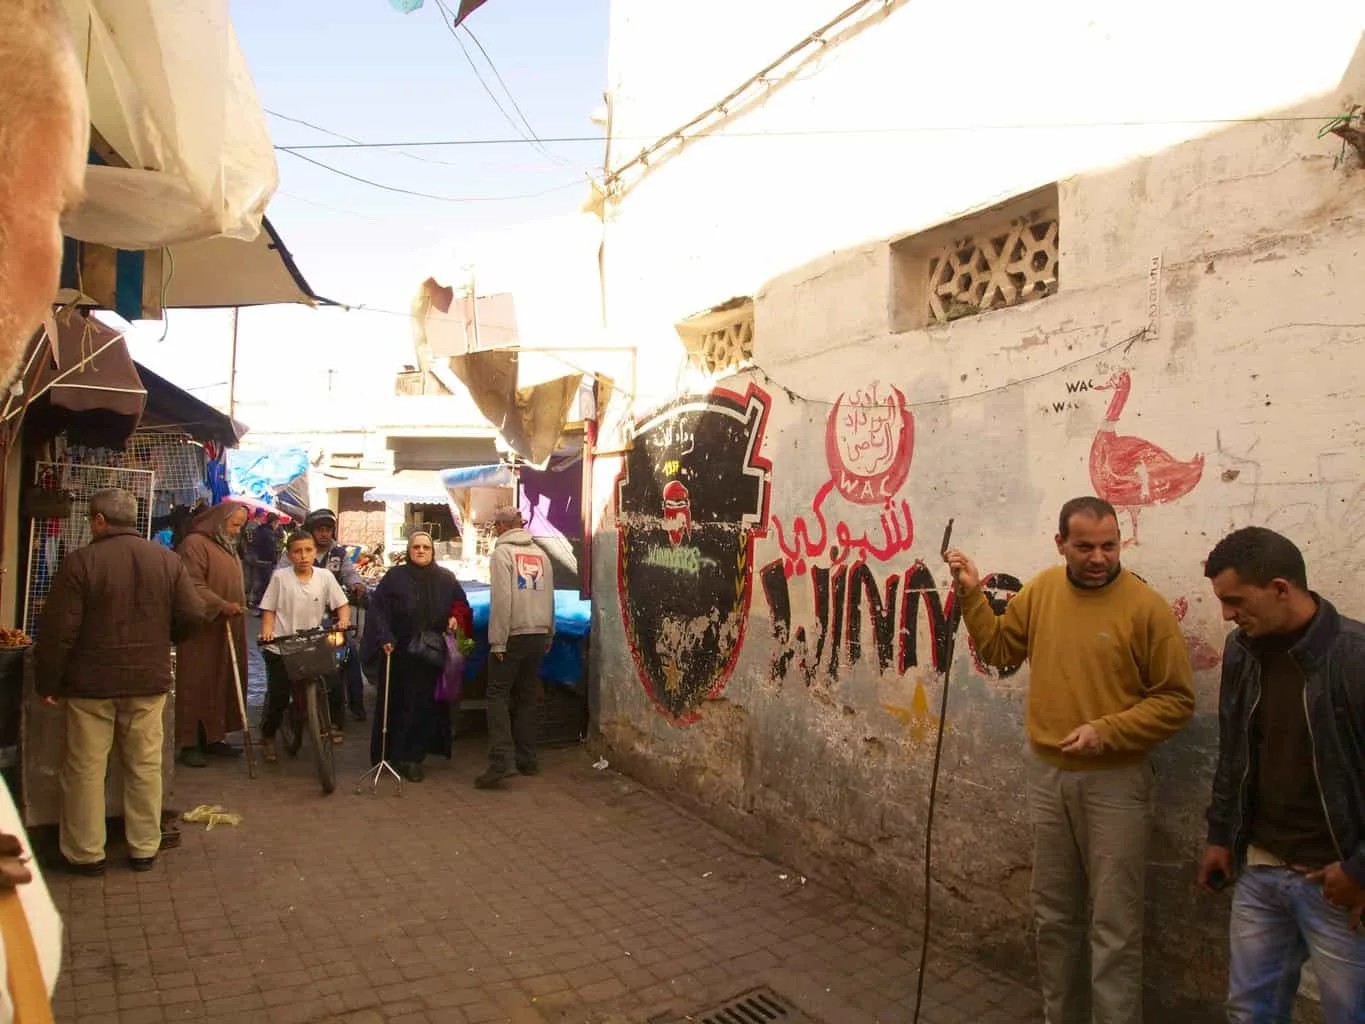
43,920
301,604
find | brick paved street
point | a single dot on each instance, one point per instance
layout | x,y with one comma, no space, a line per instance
577,896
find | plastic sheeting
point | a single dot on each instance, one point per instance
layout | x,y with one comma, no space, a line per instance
565,662
265,474
496,475
171,96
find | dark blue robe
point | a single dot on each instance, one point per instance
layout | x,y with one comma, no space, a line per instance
408,600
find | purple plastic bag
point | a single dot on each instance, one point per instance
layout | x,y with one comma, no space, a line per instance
450,683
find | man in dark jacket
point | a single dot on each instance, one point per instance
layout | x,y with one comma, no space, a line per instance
1288,811
104,650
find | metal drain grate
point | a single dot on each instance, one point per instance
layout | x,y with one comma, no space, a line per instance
757,1006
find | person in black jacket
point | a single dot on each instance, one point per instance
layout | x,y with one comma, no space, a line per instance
1287,818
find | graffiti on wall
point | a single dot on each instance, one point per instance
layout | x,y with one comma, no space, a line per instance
832,599
860,615
869,444
1132,473
691,497
1203,655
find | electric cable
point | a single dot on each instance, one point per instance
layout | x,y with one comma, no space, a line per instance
529,135
429,195
933,792
799,133
515,105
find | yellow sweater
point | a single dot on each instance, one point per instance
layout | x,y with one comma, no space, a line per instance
1113,657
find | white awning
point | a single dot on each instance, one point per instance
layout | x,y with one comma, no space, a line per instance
411,487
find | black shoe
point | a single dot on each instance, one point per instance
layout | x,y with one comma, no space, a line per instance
528,769
142,863
95,870
413,772
222,749
358,712
490,778
193,757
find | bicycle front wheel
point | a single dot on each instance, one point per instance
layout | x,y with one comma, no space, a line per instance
320,731
292,728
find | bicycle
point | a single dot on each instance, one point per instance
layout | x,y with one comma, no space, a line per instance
310,662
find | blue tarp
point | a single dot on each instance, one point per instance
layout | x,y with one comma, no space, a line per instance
263,473
564,664
478,476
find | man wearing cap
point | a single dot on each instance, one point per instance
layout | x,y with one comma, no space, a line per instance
521,627
322,524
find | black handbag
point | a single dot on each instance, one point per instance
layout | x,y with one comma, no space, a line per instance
429,647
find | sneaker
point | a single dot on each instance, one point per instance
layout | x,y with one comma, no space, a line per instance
193,757
92,870
490,778
142,863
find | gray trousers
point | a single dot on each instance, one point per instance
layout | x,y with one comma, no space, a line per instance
1090,831
512,721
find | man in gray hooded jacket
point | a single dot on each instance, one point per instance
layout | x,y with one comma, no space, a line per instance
521,627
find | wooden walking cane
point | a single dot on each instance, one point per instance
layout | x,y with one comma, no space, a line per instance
27,989
241,701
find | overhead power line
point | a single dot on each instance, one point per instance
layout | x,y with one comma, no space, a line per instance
523,129
429,195
830,132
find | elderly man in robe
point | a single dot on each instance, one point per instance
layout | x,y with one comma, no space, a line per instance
206,709
44,136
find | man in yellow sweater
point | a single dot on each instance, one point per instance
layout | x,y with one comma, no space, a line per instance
1109,679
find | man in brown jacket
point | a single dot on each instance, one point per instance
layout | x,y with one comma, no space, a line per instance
104,649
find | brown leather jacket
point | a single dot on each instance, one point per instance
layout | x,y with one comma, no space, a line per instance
107,626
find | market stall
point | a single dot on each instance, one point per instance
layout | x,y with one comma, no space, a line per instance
92,419
563,673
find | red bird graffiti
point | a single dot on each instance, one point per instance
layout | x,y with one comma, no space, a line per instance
1131,472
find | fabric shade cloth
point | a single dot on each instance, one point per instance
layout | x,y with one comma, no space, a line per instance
467,7
85,382
181,147
529,420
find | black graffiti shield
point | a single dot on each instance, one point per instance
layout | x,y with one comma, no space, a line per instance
692,495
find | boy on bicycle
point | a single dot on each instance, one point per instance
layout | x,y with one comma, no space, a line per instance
297,598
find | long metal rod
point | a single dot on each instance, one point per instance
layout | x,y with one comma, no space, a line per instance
375,773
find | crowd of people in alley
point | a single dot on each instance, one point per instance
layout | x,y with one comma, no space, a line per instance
118,605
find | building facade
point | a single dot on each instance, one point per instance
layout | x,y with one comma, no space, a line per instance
932,269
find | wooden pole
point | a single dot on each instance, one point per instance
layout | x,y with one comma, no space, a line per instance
232,369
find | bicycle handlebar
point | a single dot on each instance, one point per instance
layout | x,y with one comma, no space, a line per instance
305,634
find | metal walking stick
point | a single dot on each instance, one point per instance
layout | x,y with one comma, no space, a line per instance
375,773
241,700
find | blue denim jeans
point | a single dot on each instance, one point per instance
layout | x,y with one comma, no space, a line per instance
1279,921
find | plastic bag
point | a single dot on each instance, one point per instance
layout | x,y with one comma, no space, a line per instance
450,683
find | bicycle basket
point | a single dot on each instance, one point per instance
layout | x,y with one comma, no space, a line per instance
307,657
